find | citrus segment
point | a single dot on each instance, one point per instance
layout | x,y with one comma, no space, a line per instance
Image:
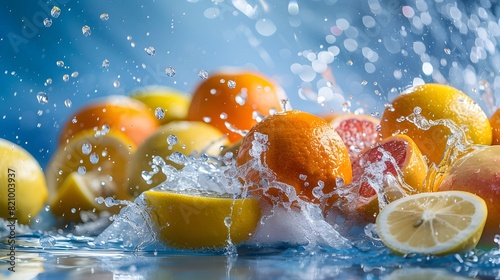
436,223
397,156
186,137
166,104
435,102
120,113
302,151
23,189
358,131
191,222
234,99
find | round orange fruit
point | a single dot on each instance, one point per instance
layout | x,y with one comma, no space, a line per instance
442,107
305,157
234,100
495,127
120,113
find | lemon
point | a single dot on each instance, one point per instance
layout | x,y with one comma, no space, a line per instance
23,190
167,104
192,222
430,223
186,137
435,102
100,159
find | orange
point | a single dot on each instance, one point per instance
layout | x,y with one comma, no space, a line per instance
120,113
358,131
235,98
443,107
495,126
397,156
477,172
302,151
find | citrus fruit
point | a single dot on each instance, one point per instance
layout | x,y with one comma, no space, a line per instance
397,156
23,190
302,151
436,103
433,223
235,98
477,172
194,222
120,113
186,137
166,104
358,131
98,157
495,126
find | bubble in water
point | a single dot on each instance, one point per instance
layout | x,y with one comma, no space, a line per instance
207,119
203,74
94,158
223,116
86,30
170,71
104,16
47,208
60,63
55,12
172,139
86,148
67,103
47,22
105,63
159,113
293,8
231,84
42,97
241,98
47,241
265,27
228,221
74,74
48,81
116,84
82,170
150,50
447,51
65,77
105,129
73,210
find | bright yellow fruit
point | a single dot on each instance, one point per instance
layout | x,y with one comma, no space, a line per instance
22,183
437,102
174,104
187,137
201,223
101,159
433,223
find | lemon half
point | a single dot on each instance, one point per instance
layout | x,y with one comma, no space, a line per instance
433,223
201,223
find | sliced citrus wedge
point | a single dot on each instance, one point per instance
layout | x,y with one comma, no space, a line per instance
436,223
196,222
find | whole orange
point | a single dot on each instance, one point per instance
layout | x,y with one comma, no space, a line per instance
235,98
119,113
302,150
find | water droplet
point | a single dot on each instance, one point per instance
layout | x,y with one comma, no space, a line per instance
228,221
116,84
447,51
86,148
47,241
104,16
172,139
65,77
150,50
82,170
73,210
42,97
60,63
170,71
293,7
203,74
47,208
223,116
129,38
105,63
74,74
55,12
86,30
231,84
47,22
67,103
364,82
241,98
94,158
350,63
207,119
159,113
105,129
48,81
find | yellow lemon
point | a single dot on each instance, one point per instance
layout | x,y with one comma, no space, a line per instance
100,159
433,223
191,222
186,137
435,102
167,104
23,190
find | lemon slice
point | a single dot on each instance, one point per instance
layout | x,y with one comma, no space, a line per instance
201,223
435,223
